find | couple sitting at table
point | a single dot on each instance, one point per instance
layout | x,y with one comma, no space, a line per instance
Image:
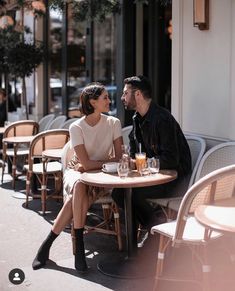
97,138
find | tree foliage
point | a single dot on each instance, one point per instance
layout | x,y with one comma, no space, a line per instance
17,57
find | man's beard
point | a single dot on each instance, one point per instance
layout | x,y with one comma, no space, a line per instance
132,103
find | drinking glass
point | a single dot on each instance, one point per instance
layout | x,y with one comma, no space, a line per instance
125,149
123,169
154,165
125,153
140,161
145,170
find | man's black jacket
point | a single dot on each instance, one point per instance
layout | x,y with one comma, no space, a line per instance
160,135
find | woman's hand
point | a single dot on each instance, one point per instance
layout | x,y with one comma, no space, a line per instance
78,167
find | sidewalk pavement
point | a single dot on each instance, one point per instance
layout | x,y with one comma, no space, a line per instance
23,230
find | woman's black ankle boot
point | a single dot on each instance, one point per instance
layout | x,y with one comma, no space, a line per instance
43,252
80,259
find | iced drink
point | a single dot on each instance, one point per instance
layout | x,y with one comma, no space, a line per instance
140,161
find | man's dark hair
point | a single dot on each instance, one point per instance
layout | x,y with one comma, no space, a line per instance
141,83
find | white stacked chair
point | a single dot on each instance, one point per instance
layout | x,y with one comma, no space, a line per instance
197,147
68,122
57,123
217,157
45,121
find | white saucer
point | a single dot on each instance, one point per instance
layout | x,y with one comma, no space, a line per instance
105,171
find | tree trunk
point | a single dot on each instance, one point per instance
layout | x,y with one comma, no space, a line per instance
24,95
6,80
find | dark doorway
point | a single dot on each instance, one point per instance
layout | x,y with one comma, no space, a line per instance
157,50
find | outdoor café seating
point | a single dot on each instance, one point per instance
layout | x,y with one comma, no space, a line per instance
217,157
68,122
43,168
16,139
187,231
109,223
57,122
197,147
45,121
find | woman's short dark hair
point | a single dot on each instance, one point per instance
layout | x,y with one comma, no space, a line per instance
141,83
91,91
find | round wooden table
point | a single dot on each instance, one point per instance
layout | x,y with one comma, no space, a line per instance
219,218
113,267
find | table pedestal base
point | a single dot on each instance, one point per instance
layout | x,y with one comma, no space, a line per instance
125,268
19,195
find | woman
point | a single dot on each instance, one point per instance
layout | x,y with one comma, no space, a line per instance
96,139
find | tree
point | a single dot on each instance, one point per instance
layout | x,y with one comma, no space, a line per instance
18,57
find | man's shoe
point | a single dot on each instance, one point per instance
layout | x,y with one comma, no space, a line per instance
142,237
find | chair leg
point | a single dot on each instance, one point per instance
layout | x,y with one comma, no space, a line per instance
43,194
73,238
163,243
14,167
4,160
3,169
106,214
206,269
28,179
117,225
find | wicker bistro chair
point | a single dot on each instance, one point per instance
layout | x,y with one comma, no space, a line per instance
197,147
185,230
217,157
50,139
109,207
17,129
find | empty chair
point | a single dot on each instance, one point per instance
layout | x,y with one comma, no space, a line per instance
12,150
49,139
57,122
109,207
197,147
125,134
185,230
45,121
67,123
217,157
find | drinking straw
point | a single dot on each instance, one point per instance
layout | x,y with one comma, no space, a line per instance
140,147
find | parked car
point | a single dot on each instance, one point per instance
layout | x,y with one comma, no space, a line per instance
56,96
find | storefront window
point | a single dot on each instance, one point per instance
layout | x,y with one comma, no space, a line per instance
103,60
76,60
55,61
104,52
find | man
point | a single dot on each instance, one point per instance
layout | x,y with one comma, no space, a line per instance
160,136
